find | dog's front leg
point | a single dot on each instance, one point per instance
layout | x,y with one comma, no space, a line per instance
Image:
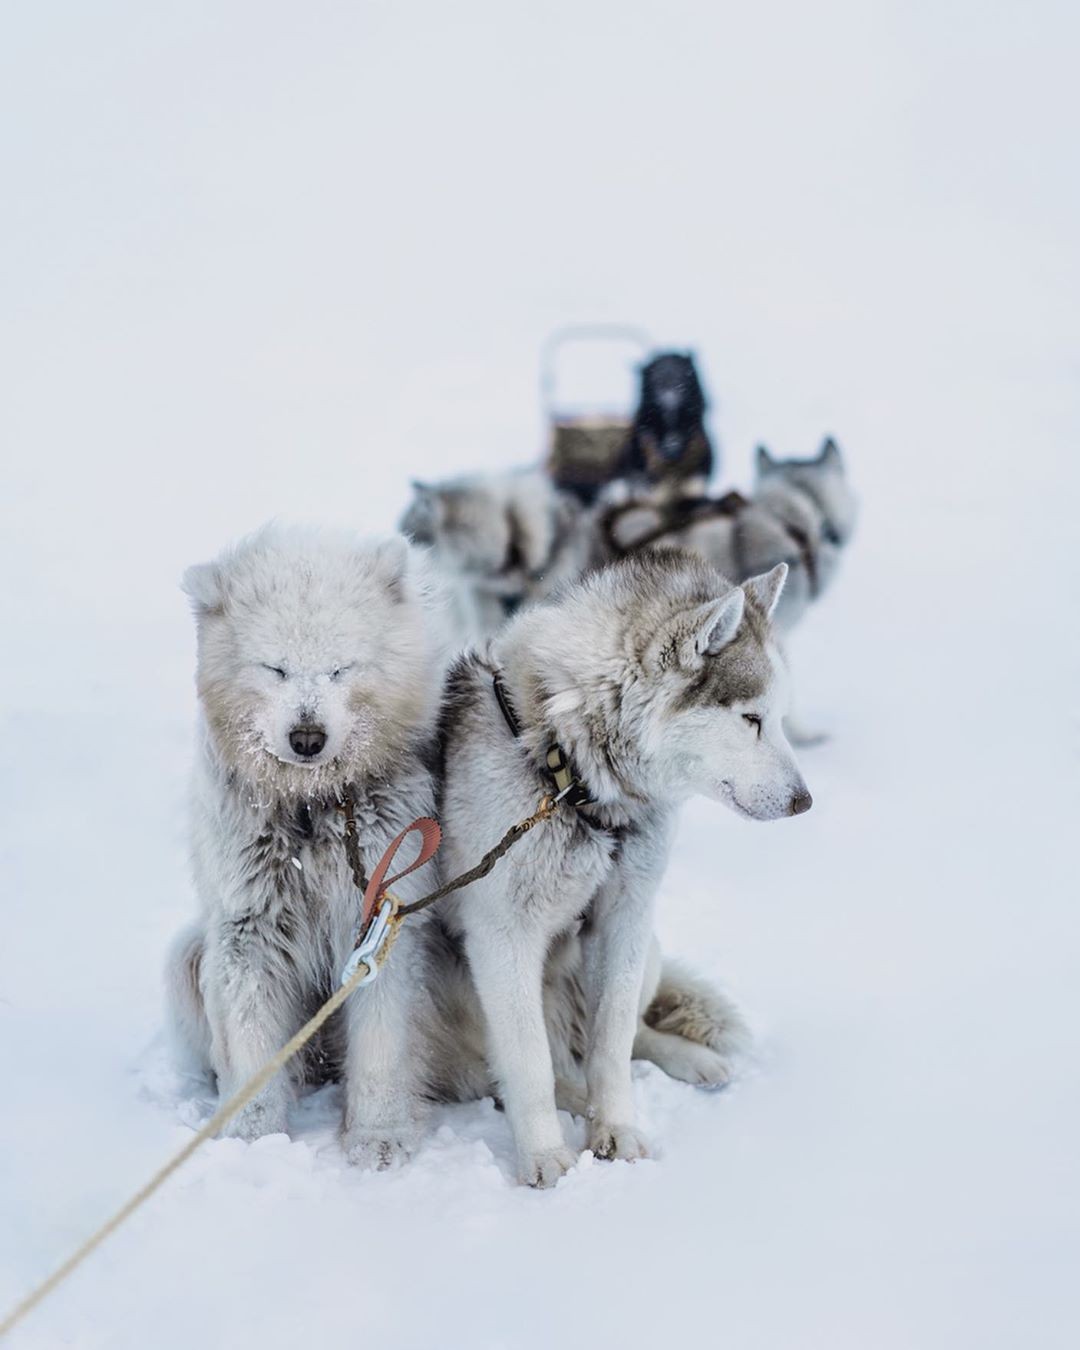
616,947
384,1065
507,960
252,1009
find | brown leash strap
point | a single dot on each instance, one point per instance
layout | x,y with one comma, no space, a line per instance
431,837
380,883
352,840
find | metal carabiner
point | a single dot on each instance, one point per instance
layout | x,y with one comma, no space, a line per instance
372,944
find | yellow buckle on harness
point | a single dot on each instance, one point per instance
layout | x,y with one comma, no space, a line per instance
560,770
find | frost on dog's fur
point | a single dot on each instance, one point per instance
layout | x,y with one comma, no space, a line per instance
320,663
301,627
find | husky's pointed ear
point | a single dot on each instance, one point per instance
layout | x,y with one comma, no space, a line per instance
713,625
204,585
421,489
764,463
829,454
765,589
689,637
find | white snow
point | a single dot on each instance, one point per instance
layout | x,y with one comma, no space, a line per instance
269,259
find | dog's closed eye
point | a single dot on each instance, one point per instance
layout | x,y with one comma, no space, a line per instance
754,720
275,670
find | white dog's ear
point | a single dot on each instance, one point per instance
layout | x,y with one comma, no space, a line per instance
829,454
204,585
764,463
766,588
391,560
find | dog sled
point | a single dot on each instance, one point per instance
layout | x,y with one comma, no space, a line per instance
663,443
586,444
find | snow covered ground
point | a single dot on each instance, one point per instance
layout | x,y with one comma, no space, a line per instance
267,259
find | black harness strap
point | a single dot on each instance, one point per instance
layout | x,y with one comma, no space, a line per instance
807,556
687,511
567,786
676,515
502,698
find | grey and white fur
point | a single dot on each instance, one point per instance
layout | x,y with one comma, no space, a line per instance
659,679
505,540
320,664
801,511
501,540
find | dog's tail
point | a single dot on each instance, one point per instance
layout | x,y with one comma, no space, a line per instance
690,1029
685,1004
189,1029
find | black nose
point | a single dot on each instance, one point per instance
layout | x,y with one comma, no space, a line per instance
307,741
801,803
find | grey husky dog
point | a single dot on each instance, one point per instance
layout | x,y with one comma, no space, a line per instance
648,681
320,665
504,540
802,512
501,540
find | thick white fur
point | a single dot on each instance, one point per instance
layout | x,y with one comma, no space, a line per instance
358,630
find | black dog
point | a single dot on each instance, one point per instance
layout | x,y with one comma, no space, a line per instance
668,440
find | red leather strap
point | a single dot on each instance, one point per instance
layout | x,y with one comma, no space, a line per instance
430,839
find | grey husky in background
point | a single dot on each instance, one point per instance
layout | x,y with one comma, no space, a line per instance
320,664
802,512
504,540
500,539
321,660
657,679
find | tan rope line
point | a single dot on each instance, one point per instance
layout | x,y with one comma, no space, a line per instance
221,1117
255,1084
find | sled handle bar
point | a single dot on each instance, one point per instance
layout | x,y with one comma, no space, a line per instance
581,332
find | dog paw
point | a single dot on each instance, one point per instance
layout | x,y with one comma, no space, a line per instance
544,1168
618,1141
697,1064
267,1114
377,1150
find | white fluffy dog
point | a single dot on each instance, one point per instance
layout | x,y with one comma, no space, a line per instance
320,665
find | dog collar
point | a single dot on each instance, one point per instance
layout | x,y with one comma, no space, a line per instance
568,787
